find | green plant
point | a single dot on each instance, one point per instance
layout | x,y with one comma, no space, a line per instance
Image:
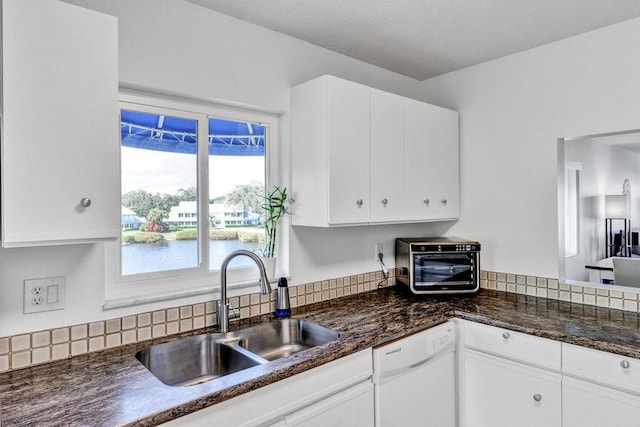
274,208
191,234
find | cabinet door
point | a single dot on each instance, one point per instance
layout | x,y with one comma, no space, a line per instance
352,407
498,393
589,405
59,124
431,161
349,194
387,156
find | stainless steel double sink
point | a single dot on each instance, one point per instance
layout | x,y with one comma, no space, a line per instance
199,358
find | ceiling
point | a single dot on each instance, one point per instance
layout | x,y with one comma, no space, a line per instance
426,38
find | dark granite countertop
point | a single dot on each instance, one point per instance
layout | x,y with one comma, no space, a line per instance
111,388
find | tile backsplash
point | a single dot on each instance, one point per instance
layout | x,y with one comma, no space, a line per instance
21,351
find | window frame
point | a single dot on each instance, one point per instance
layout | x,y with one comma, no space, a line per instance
572,170
123,291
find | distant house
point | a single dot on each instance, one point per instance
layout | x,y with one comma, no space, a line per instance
186,215
130,221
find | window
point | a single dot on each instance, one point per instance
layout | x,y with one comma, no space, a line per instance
571,206
193,178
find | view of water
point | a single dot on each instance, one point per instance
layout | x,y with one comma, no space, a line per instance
174,254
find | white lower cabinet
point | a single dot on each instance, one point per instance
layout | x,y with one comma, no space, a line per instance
585,404
499,392
599,388
319,397
509,378
352,407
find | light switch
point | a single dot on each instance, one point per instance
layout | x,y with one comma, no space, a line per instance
52,294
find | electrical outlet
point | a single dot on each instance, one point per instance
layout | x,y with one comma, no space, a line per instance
379,250
44,294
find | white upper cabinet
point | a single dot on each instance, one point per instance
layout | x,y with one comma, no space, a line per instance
60,143
431,161
363,156
330,152
387,156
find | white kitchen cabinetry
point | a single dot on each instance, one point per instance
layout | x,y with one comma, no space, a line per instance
387,157
599,388
318,397
363,156
60,143
510,379
330,152
430,162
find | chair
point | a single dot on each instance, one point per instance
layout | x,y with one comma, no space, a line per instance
626,271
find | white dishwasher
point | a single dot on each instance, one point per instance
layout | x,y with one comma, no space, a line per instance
415,381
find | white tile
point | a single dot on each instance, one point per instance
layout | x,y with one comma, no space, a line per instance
521,289
602,301
4,345
159,317
615,294
199,322
113,340
60,351
129,336
78,332
159,330
4,363
96,343
187,311
265,308
565,296
20,360
576,297
589,299
173,314
198,309
40,339
615,303
96,329
128,322
532,290
542,292
20,342
552,293
113,325
186,325
173,328
78,347
144,319
40,355
144,333
630,305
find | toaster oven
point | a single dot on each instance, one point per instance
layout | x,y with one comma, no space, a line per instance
438,265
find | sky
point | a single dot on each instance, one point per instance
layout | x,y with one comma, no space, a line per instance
162,172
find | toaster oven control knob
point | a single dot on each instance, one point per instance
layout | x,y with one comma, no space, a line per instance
359,203
426,202
537,397
384,202
444,202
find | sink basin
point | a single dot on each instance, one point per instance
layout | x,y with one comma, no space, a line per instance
193,360
282,338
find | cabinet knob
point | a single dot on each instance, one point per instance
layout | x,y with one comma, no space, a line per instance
444,202
426,202
537,397
506,335
384,202
624,364
85,202
359,202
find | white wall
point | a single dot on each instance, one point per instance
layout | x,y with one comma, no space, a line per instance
512,111
175,46
604,169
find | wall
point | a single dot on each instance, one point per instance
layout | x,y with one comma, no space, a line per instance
512,112
176,46
604,169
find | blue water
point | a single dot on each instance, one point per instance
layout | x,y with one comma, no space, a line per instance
175,254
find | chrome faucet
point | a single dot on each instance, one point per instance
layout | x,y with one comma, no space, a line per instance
223,305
